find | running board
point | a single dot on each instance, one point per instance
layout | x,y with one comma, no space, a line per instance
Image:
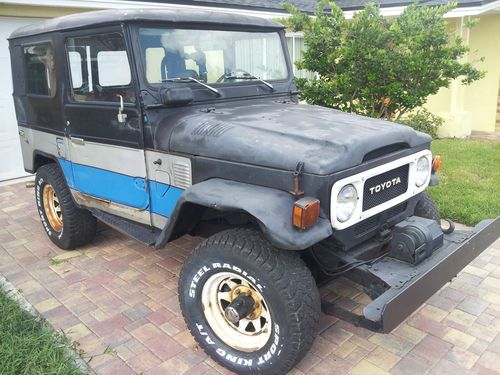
140,232
397,288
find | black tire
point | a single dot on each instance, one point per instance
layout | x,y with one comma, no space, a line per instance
78,225
285,283
427,208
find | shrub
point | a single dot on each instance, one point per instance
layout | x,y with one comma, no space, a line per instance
376,66
423,121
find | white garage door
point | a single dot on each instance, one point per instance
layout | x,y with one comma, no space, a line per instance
11,162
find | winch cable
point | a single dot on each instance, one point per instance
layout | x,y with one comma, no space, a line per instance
350,266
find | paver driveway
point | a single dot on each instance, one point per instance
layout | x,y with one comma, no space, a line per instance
117,300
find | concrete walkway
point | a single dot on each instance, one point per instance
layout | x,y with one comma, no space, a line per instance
117,301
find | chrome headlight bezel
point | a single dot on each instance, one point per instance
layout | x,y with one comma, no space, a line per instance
422,171
347,200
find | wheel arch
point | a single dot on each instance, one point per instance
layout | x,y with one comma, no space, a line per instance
41,158
269,208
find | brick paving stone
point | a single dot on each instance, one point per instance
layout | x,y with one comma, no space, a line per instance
495,345
463,358
382,358
394,344
488,361
409,333
445,367
172,366
163,346
143,362
458,338
335,364
478,347
459,319
307,363
117,300
410,365
473,305
431,348
366,367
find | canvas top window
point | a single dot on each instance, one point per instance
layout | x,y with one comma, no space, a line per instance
211,55
99,68
40,69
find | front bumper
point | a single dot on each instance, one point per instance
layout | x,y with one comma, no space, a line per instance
397,289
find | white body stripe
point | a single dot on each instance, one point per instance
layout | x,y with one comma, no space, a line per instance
174,170
124,160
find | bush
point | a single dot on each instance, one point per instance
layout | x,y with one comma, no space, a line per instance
375,66
423,121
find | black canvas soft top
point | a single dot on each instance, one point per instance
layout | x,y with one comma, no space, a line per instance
81,20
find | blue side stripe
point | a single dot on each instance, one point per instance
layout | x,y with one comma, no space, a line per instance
164,204
67,171
120,188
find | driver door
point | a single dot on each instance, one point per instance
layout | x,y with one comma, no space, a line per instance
106,150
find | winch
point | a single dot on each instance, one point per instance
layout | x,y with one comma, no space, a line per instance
415,239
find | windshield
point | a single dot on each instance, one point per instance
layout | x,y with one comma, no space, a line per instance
211,56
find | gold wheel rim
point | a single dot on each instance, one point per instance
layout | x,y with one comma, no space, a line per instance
249,334
52,208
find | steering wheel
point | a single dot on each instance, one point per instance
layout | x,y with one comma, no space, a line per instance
222,78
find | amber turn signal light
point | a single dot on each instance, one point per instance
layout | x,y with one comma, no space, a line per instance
305,212
436,163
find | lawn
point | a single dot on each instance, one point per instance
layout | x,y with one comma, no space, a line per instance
28,346
469,189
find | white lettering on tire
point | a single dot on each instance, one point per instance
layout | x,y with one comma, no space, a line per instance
248,362
204,269
239,360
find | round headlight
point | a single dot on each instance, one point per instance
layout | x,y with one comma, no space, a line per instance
346,202
423,171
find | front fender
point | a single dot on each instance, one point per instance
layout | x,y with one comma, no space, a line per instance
272,208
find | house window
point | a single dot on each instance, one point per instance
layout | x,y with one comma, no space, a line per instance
99,68
40,69
296,46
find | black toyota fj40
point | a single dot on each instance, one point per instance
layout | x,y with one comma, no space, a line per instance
163,123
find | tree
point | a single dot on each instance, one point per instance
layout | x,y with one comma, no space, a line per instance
374,66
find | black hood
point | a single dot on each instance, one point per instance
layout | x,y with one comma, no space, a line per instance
278,135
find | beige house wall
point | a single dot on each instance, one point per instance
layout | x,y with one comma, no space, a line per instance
474,107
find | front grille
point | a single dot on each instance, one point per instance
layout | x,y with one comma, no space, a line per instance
384,187
366,225
373,222
396,210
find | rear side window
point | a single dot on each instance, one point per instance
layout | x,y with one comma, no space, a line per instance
99,68
40,69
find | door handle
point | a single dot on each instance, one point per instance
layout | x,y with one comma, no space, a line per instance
77,141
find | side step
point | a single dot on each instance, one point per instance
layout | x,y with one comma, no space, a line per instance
397,288
140,232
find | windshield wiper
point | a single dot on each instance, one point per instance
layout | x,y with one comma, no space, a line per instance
249,76
191,79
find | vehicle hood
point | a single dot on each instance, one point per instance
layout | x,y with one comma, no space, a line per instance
279,134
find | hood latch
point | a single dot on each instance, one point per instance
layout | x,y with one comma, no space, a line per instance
299,168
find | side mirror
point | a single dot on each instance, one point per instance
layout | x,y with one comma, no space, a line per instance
122,117
176,96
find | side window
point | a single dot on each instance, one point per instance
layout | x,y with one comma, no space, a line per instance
40,69
99,68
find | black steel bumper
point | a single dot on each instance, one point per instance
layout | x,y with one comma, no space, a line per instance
399,288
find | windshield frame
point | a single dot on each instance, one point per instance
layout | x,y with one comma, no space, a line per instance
281,85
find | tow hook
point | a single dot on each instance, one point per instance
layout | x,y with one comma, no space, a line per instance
239,308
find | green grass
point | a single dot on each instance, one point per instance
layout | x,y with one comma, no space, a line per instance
28,346
469,189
